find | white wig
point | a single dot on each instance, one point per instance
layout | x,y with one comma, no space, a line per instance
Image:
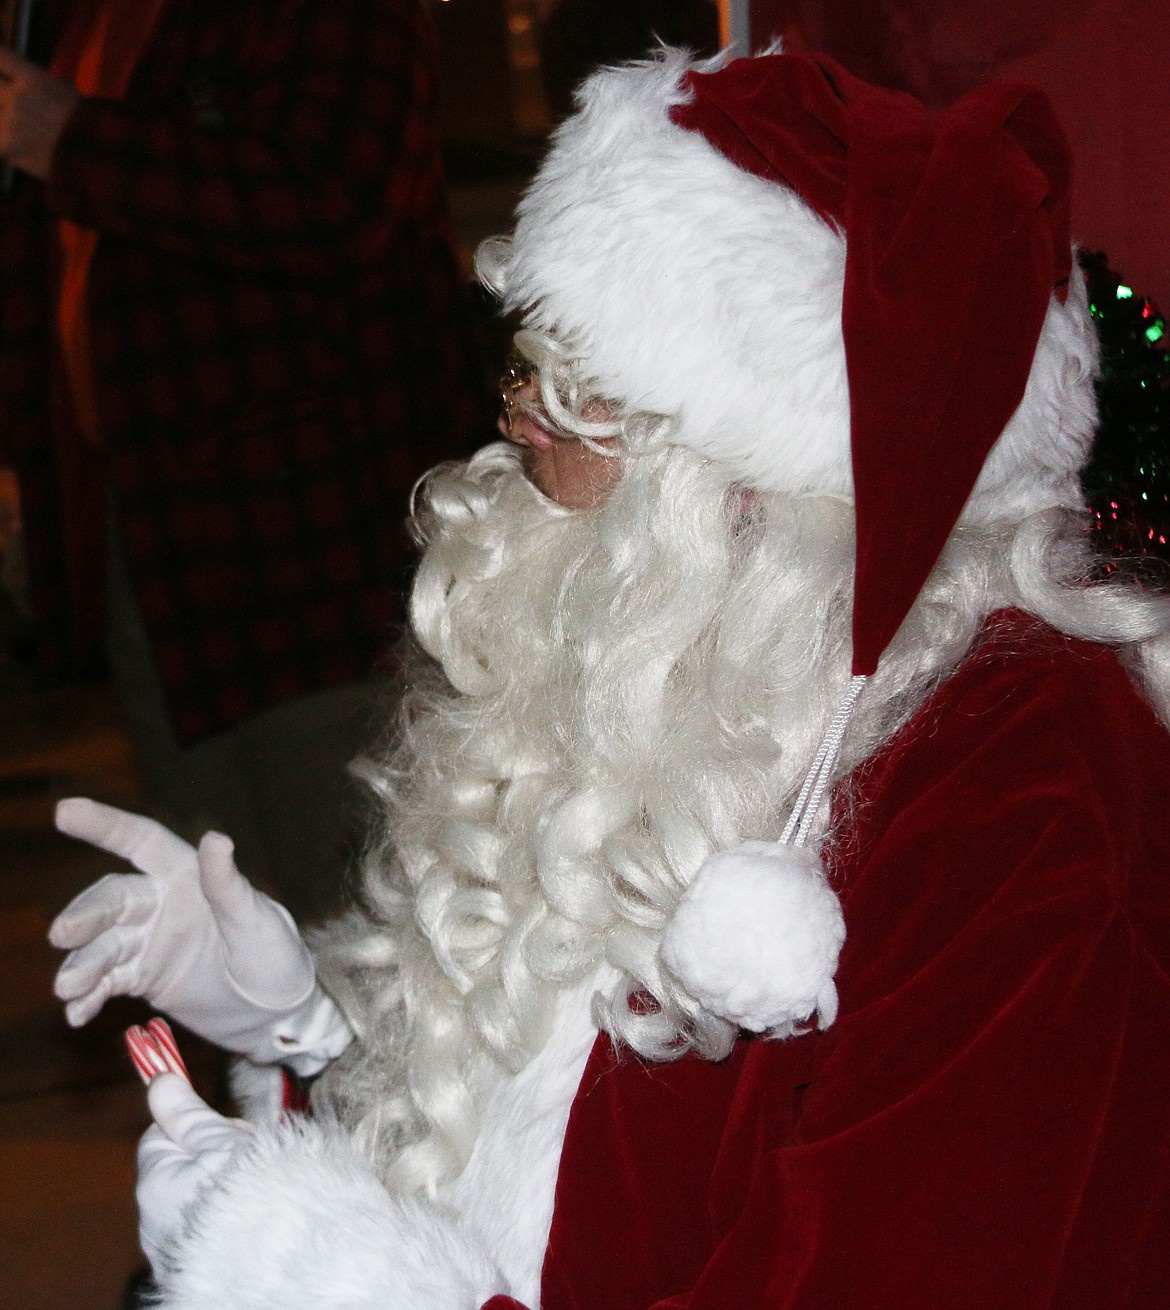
607,697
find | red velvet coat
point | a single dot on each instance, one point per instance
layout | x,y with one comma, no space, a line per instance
985,1127
988,1122
281,343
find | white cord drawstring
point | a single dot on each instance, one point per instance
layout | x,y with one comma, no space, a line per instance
816,781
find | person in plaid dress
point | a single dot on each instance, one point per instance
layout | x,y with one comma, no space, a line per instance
272,344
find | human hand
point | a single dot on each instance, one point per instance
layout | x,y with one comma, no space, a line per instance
184,1149
34,108
193,937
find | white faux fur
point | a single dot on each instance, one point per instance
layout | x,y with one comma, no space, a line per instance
508,1188
301,1221
756,937
691,288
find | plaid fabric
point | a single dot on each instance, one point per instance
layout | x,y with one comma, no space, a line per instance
281,342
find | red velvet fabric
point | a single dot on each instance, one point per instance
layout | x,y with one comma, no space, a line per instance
988,1122
958,230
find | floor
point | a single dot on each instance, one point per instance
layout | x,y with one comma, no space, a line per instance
71,1106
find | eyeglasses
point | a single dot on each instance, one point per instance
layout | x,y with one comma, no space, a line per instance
518,373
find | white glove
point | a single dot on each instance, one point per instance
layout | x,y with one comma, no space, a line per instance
179,1154
196,939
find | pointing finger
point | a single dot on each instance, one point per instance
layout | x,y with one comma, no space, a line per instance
146,844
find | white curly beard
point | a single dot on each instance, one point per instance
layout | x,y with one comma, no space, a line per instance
611,695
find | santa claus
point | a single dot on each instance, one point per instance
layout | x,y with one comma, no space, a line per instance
769,906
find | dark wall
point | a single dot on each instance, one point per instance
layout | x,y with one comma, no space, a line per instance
1105,63
475,91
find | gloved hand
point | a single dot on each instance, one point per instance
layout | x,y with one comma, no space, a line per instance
182,1151
196,939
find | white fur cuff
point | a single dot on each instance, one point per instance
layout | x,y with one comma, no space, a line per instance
301,1220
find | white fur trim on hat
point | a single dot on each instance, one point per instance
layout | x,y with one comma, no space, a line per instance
756,938
691,288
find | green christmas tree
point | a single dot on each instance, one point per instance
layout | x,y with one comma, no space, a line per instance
1127,480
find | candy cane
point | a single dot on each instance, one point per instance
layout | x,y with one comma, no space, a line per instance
153,1050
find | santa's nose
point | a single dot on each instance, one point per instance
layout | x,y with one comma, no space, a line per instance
518,423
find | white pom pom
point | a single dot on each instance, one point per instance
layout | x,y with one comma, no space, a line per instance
756,938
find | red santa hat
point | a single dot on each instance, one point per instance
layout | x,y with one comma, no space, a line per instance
835,291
